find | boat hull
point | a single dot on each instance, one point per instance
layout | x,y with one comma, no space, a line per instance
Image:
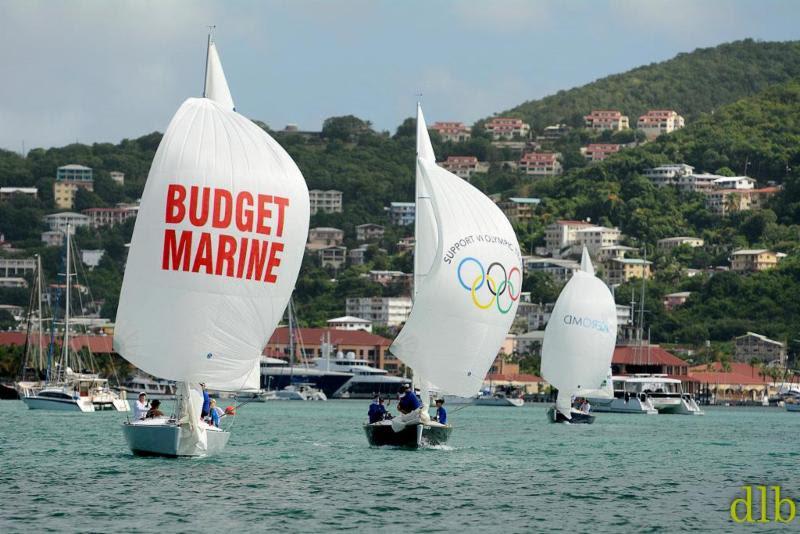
499,401
62,405
413,436
554,416
619,405
164,438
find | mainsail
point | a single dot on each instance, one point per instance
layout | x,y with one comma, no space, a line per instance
216,249
468,279
579,338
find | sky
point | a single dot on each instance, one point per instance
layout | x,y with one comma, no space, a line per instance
104,70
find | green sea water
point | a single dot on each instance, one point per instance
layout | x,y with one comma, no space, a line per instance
306,467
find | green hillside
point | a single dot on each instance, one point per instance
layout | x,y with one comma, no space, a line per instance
690,83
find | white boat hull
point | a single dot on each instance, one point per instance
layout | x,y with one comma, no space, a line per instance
617,405
499,401
160,437
676,406
63,405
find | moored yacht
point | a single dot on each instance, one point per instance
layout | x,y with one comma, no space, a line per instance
155,388
61,398
645,394
367,381
277,374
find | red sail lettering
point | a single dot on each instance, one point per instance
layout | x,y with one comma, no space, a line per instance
203,255
176,254
258,255
198,219
242,257
222,214
263,214
225,251
282,202
244,216
176,211
273,262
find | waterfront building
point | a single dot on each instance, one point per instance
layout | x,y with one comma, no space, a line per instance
756,346
117,177
323,237
17,267
602,119
369,232
673,300
363,344
53,238
60,221
659,121
560,269
334,256
350,323
110,216
507,128
599,151
754,260
669,243
620,270
381,311
453,132
670,174
464,166
541,164
740,382
402,213
519,209
562,234
329,201
7,193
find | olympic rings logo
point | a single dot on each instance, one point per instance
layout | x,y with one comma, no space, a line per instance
477,277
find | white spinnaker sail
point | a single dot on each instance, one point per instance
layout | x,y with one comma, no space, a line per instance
466,302
579,338
216,249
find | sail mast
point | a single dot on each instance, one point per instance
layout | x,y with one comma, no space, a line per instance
40,363
65,348
208,51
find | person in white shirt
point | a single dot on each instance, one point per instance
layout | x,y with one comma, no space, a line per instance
141,407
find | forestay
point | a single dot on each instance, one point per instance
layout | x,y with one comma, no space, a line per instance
216,249
579,338
467,299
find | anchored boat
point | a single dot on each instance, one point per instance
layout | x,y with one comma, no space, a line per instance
579,341
467,282
215,253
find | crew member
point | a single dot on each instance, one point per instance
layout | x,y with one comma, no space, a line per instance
206,402
409,402
140,407
441,413
154,411
377,411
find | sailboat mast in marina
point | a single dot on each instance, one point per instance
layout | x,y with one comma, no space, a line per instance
215,254
467,283
579,341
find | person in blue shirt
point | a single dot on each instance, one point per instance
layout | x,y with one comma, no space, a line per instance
206,402
441,413
213,413
409,402
377,411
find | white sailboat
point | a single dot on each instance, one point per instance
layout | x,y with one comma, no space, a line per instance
215,254
467,282
579,341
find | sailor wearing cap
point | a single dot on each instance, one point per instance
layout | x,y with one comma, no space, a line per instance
377,411
206,402
410,401
140,407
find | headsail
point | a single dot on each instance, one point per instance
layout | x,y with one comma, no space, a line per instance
216,249
580,336
216,86
467,300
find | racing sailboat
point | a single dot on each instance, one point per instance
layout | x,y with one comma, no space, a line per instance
215,254
579,341
467,283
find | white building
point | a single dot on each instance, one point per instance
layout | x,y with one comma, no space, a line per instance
670,243
13,281
665,175
381,311
464,166
16,267
561,235
606,119
561,270
7,193
60,221
350,323
402,213
333,257
609,252
594,238
507,128
110,216
369,232
323,237
53,238
541,164
454,132
91,258
735,182
659,121
329,201
117,177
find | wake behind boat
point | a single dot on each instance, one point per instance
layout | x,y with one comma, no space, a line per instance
215,253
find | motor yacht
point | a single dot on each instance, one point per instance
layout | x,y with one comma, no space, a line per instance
62,398
647,394
277,374
367,381
155,388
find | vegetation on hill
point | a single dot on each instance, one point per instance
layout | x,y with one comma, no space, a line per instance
691,83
